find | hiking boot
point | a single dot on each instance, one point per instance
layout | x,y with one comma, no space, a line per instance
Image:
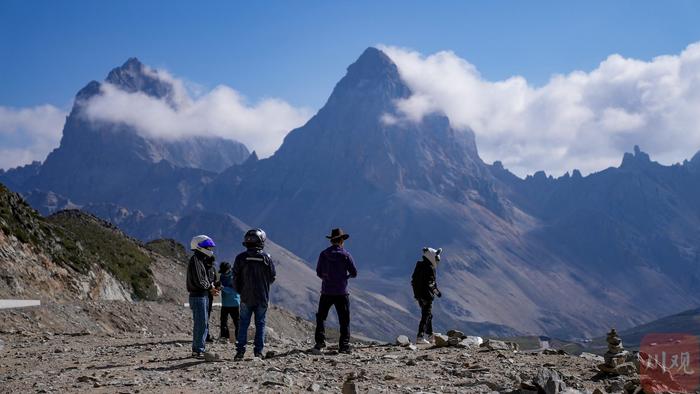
238,356
198,355
345,350
420,340
259,355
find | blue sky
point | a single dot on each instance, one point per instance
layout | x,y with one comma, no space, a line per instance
280,60
297,50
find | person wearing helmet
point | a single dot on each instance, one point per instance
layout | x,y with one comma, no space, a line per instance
200,287
424,290
230,302
253,273
335,266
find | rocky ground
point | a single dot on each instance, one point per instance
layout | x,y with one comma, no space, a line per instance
116,347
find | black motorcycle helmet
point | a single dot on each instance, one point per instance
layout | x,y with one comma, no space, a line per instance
254,238
224,267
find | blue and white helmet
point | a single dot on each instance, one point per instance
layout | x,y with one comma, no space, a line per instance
203,244
433,255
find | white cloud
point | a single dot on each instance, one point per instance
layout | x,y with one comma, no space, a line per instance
28,134
221,112
583,120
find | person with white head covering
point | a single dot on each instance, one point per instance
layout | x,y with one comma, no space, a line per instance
424,290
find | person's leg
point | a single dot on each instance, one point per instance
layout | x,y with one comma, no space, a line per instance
342,308
199,318
223,321
243,329
260,314
324,305
235,315
429,319
423,317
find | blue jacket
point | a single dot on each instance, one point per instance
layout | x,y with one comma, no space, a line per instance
229,296
253,273
335,266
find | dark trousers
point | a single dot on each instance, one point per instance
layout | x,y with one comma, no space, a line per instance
227,311
425,327
342,308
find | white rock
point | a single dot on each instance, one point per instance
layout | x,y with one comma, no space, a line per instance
402,340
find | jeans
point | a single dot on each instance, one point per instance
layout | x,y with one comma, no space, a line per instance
246,313
425,327
200,317
342,308
210,306
227,311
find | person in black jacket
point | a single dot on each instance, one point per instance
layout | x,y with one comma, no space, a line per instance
424,290
200,288
253,273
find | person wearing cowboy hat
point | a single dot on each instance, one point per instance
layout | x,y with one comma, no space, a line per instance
335,266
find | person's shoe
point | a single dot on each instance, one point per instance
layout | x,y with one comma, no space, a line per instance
238,356
259,355
345,350
420,340
198,355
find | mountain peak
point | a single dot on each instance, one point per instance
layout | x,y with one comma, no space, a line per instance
639,158
371,63
134,76
372,82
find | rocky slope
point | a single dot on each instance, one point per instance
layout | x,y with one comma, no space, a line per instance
72,255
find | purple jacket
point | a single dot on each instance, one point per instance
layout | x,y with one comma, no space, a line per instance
335,266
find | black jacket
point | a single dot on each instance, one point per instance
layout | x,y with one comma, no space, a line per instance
253,273
198,283
423,281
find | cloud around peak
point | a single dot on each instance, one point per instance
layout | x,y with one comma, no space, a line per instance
221,112
581,120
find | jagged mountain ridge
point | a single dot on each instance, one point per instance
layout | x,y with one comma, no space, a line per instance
516,250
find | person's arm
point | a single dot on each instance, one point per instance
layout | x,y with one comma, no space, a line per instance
200,276
237,282
273,272
351,269
320,267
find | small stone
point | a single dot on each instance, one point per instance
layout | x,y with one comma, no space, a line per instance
402,340
411,362
314,387
211,357
349,387
456,334
178,344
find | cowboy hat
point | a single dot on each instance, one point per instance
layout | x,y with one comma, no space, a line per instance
337,233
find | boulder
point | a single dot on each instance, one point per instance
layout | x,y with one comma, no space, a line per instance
470,341
549,381
402,340
441,340
492,344
592,357
456,334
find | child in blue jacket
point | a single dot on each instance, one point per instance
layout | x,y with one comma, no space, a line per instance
230,301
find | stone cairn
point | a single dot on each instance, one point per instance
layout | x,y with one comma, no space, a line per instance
616,356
